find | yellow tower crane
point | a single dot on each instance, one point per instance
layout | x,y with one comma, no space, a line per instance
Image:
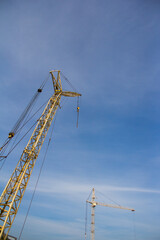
13,193
93,205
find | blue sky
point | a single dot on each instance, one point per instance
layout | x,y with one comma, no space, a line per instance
109,50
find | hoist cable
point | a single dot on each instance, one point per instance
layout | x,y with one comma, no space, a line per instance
4,144
28,113
18,143
33,115
44,82
22,138
86,215
63,102
77,110
66,79
86,221
23,115
35,188
3,149
3,157
27,109
134,227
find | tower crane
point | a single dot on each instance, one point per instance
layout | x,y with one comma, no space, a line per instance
13,193
93,205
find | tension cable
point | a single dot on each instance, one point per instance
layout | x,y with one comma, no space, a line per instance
23,116
35,188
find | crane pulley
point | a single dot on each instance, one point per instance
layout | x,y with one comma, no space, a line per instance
13,193
17,127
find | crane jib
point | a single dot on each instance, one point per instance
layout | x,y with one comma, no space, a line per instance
13,193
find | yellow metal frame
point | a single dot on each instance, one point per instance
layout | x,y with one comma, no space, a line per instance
13,193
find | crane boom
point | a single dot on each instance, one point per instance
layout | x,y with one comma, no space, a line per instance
93,205
13,193
110,205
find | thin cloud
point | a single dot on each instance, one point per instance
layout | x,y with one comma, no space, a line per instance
41,226
49,186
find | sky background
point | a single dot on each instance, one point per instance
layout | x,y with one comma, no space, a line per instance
110,52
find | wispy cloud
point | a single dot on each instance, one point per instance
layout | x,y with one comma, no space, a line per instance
110,53
39,227
74,187
49,186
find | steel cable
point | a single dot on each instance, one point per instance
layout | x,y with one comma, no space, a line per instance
19,130
24,114
86,216
35,188
66,79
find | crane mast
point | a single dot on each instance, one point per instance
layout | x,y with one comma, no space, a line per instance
93,215
93,205
13,193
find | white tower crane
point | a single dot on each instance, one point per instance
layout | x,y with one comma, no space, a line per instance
93,205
